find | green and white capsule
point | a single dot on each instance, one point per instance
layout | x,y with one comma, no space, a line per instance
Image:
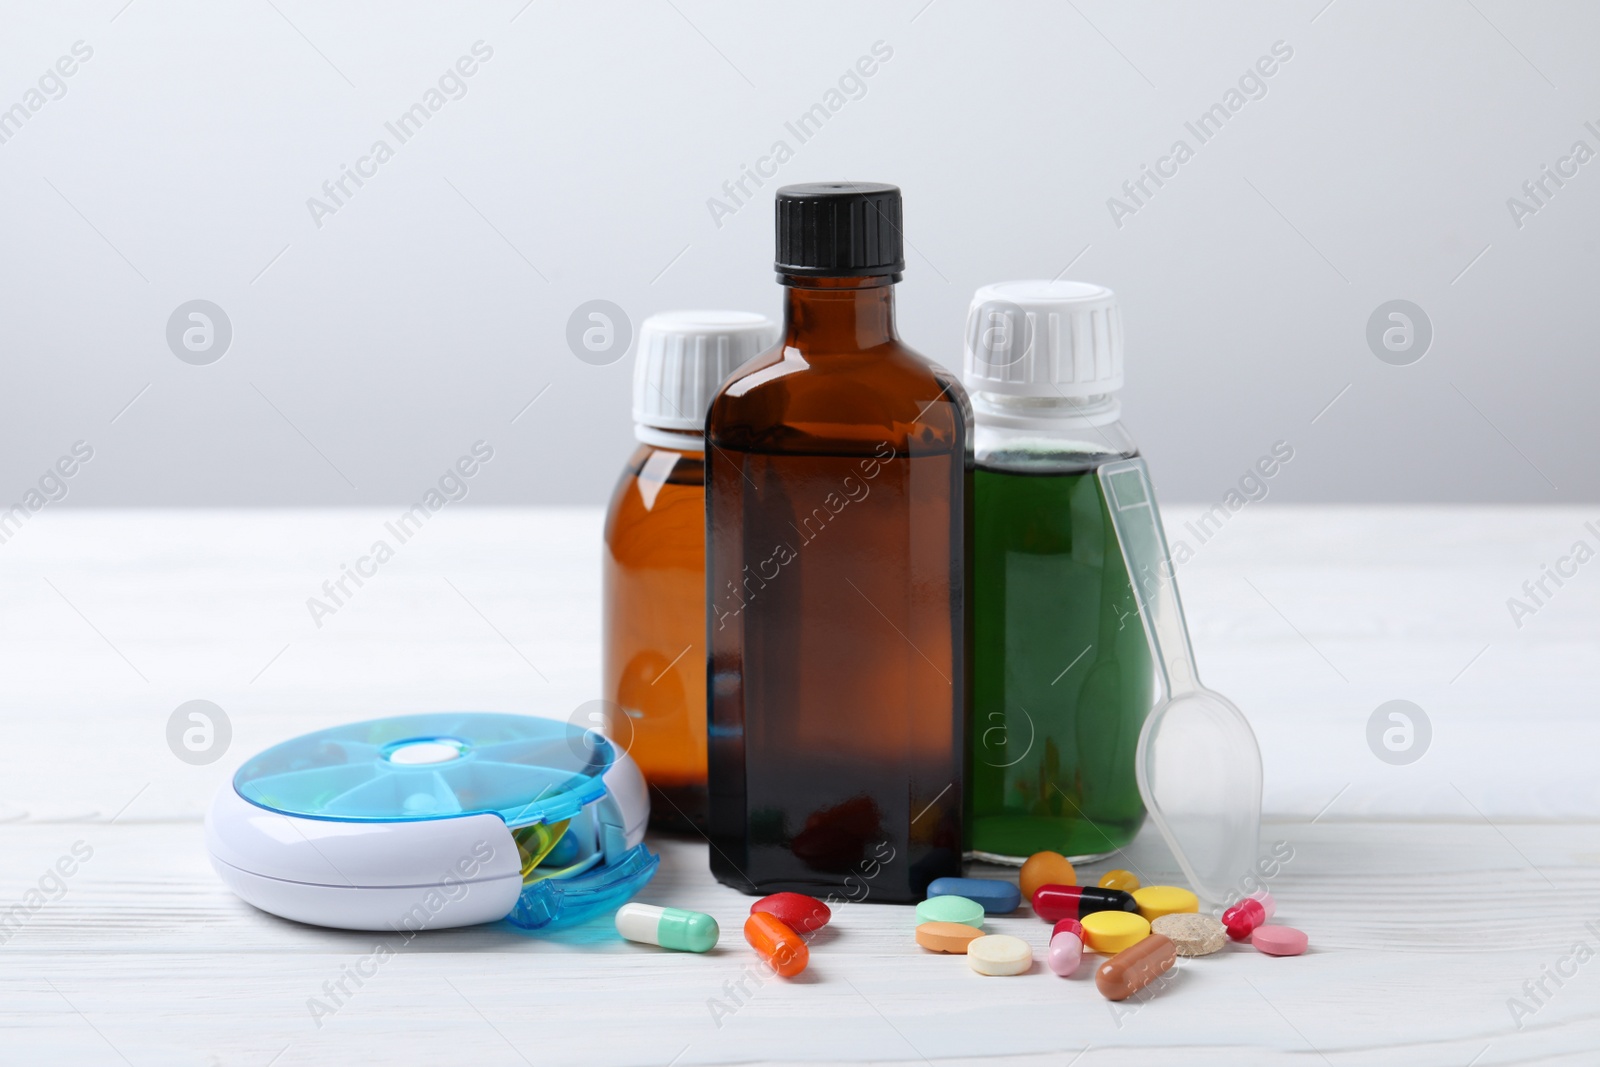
674,928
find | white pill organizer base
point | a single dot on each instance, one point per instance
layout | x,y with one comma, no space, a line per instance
406,824
386,876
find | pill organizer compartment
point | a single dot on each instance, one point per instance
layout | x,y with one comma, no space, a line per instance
431,821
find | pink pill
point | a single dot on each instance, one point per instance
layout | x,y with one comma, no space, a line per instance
1279,940
1067,926
1066,952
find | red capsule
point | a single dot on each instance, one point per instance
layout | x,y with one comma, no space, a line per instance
1067,926
798,912
1054,902
1242,919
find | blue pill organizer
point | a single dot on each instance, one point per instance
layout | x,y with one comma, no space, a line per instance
425,822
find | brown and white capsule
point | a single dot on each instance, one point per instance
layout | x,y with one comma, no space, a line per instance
1134,968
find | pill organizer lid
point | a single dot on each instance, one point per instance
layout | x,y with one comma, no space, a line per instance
434,766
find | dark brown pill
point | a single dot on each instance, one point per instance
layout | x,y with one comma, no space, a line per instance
1134,968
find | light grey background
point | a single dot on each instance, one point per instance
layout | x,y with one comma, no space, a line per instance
425,314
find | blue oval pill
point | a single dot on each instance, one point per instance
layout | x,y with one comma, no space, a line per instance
997,897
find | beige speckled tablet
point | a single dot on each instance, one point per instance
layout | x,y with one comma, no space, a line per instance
1195,935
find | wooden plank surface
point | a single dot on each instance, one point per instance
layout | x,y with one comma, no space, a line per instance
1433,892
1421,934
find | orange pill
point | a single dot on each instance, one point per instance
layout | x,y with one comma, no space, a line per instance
1134,968
947,937
782,948
1045,868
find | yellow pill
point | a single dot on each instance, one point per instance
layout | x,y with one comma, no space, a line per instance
1126,881
1157,900
1045,868
1110,932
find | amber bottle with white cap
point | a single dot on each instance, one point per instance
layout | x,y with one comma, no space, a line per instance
653,658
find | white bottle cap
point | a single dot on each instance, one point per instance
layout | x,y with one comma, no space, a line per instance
1046,339
685,356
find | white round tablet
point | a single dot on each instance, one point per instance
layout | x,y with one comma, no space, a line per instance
999,954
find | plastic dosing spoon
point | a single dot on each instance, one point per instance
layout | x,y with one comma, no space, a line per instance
1198,765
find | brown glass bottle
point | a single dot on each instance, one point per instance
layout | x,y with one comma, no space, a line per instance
653,575
653,581
837,533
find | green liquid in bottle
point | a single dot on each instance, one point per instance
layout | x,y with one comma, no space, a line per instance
1061,670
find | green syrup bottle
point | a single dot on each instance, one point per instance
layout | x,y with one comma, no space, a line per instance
1062,674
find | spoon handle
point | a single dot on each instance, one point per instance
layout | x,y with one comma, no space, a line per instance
1132,504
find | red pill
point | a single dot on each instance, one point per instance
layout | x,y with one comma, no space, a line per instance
782,948
1242,919
1067,926
798,912
1055,902
1248,914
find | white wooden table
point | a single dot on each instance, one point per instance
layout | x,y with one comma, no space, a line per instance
1432,892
